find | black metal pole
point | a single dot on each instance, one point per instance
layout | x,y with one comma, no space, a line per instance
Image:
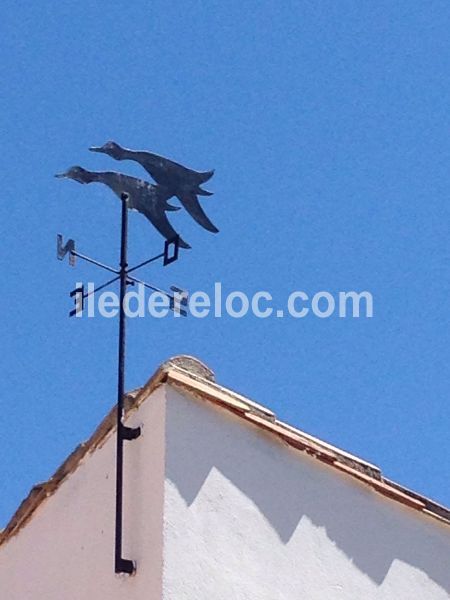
170,254
122,565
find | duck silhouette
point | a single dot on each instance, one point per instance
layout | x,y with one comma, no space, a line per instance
182,182
150,200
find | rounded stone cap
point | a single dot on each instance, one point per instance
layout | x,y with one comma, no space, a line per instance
192,365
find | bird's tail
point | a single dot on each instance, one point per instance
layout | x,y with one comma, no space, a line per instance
205,176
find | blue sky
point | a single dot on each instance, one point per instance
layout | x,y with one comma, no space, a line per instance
328,125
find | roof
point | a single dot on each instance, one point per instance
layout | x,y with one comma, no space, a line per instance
191,377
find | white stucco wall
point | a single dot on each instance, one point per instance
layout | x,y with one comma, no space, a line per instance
217,509
66,551
246,517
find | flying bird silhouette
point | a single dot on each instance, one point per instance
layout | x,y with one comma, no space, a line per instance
148,199
180,181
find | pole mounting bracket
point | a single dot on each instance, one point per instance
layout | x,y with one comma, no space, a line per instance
124,565
129,433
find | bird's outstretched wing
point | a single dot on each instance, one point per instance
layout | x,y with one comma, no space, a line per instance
190,202
157,217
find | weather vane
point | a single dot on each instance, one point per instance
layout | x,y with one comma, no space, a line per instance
172,179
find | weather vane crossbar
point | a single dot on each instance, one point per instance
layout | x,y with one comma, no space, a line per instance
79,294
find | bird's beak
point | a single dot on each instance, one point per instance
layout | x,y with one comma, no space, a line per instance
96,149
60,175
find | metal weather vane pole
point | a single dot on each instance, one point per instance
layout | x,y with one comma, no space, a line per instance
170,254
150,200
122,565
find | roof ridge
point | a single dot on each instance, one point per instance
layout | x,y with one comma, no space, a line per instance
203,387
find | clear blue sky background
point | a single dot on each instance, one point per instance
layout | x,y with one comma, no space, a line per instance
328,124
